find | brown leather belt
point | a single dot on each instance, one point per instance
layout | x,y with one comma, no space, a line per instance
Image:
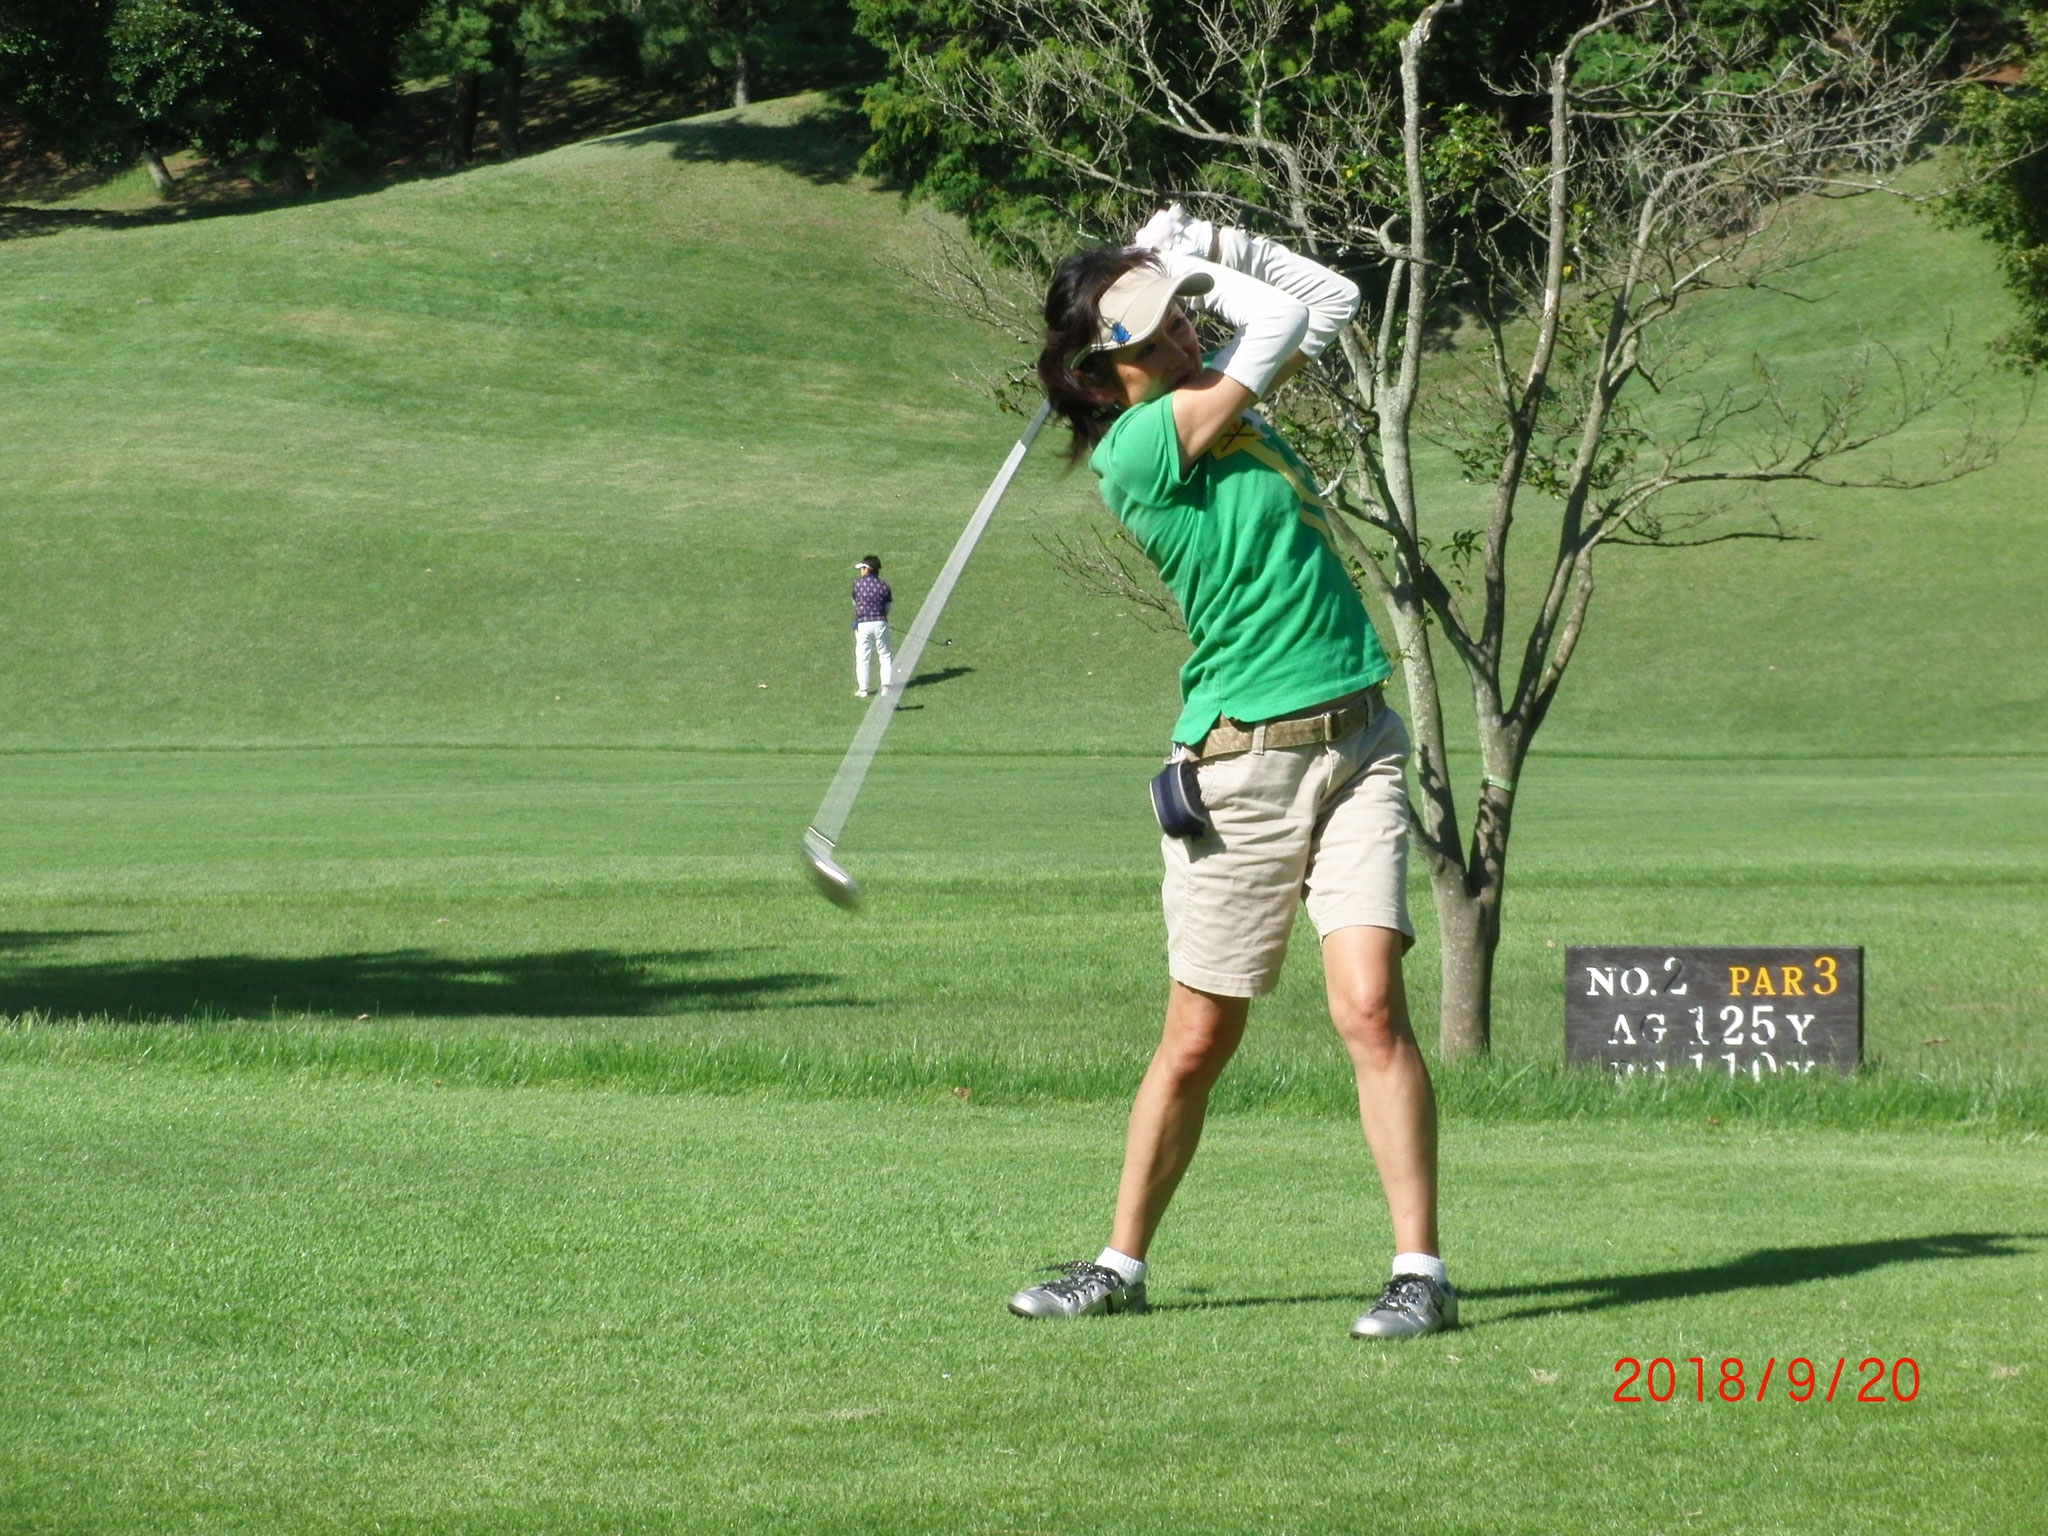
1228,736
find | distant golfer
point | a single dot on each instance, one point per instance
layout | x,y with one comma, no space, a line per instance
1297,758
871,600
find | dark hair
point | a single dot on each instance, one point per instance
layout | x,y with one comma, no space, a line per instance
1082,388
873,563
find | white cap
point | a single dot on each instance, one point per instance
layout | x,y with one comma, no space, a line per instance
1135,305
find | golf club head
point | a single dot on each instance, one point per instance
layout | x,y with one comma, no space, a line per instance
832,881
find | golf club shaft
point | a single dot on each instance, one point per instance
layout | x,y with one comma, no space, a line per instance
853,768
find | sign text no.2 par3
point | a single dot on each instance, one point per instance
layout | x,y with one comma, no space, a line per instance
1746,1011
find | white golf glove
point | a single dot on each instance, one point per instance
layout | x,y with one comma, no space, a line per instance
1172,233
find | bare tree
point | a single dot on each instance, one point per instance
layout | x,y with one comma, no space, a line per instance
1655,162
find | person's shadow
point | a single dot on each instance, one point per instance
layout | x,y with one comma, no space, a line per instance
1759,1269
943,675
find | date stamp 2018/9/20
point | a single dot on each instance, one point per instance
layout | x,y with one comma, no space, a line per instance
1882,1381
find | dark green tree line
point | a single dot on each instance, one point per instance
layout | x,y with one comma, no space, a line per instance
108,81
938,156
485,47
2000,128
101,81
2003,130
994,184
754,48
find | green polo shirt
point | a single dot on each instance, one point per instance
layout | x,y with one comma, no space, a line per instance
1244,544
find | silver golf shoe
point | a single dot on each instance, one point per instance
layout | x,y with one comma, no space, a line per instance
1082,1290
1410,1306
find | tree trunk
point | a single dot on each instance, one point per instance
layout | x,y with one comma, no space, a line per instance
462,122
293,176
1470,934
510,75
739,73
160,175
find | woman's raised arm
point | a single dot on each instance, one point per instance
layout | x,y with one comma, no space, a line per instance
1284,308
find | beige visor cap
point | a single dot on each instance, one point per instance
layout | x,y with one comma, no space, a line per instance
1135,305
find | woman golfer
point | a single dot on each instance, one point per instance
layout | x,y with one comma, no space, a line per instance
1298,760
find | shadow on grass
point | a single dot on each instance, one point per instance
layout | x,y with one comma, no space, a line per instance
944,675
823,147
14,939
1763,1269
1357,1297
20,223
403,982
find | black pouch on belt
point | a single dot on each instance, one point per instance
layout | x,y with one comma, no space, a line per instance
1177,798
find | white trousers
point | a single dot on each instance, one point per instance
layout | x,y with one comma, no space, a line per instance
872,639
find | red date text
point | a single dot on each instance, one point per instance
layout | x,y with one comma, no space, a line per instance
1731,1381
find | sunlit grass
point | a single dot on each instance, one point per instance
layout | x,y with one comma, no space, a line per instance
262,1303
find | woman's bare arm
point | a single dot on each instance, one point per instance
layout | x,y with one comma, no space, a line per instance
1206,409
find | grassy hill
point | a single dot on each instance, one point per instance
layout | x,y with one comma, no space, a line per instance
578,449
1905,623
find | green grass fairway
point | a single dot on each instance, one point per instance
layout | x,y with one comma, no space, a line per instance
574,914
433,1101
243,1306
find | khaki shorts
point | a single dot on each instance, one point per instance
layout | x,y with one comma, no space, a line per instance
1325,825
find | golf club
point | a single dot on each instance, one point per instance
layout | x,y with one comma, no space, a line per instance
821,837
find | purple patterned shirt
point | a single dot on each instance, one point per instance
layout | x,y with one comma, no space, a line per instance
871,599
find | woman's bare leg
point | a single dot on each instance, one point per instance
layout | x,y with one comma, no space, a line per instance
1202,1031
1396,1104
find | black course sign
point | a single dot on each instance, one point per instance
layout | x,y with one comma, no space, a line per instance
1747,1012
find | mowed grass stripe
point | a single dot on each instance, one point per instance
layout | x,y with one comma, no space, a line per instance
1288,1076
618,918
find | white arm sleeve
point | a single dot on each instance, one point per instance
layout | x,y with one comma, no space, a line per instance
1331,299
1269,324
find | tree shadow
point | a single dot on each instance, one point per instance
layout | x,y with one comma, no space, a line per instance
1760,1269
823,146
562,102
943,675
404,982
47,938
18,222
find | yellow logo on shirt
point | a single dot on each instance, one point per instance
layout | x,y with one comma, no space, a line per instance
1243,437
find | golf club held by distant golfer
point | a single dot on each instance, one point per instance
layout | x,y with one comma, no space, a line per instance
821,837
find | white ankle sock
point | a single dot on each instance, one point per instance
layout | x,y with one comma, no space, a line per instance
1427,1265
1133,1270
